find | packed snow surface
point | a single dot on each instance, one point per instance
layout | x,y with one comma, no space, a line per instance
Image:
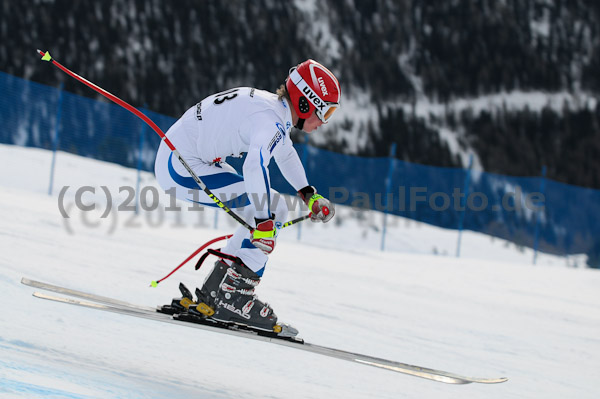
489,313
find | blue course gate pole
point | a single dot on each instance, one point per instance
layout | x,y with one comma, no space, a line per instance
139,167
536,240
388,189
461,220
55,138
304,160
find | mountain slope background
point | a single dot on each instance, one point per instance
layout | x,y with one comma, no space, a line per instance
514,83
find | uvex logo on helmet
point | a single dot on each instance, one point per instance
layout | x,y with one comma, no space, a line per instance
314,98
313,89
322,85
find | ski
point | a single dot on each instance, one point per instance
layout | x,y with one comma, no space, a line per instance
83,295
107,304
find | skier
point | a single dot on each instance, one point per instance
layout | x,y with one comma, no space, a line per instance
257,122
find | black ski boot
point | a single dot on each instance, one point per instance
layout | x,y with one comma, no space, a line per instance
205,304
235,302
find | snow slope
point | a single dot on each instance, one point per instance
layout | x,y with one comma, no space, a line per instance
490,313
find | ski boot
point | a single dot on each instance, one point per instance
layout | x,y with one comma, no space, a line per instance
205,304
235,302
229,292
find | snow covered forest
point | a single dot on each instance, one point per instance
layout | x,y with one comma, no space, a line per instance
514,83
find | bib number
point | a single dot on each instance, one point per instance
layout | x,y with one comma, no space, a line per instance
224,96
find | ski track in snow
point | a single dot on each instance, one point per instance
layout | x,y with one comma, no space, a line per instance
487,314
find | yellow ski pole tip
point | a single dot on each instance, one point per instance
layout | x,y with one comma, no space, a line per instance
47,56
154,283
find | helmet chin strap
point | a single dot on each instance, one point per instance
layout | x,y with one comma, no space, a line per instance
300,124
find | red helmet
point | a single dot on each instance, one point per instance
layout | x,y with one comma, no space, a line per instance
312,87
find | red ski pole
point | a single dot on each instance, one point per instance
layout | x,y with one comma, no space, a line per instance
156,282
47,57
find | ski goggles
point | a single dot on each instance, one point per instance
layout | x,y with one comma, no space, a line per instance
325,117
323,109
